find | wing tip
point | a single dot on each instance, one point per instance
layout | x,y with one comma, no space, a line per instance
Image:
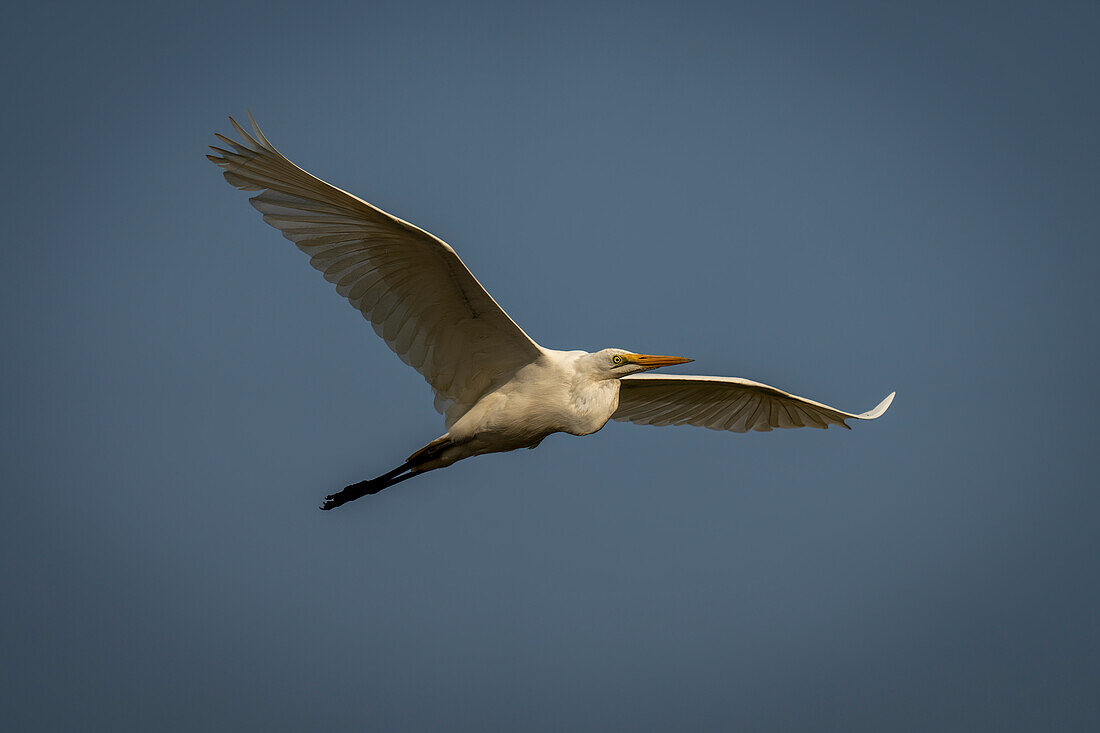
879,409
256,138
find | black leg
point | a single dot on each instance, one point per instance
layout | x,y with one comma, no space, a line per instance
373,486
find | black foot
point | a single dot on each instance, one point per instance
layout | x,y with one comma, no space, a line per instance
364,488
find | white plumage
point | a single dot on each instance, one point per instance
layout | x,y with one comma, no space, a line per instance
725,403
497,389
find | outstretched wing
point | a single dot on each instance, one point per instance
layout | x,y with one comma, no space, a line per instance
412,287
724,403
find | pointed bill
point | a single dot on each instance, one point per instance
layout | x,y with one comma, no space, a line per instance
651,361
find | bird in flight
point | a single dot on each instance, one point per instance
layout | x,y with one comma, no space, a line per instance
497,389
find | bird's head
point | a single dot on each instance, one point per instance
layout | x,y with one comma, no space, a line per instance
616,363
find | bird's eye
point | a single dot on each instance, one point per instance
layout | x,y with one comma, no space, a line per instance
617,359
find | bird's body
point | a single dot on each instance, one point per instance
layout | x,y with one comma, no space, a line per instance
552,394
497,388
549,395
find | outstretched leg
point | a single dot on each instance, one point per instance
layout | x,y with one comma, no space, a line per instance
430,457
353,492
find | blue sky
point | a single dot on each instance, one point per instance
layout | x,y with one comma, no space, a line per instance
839,200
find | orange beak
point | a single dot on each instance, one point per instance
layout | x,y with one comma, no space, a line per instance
649,361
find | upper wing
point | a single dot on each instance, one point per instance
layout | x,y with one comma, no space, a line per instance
411,286
724,403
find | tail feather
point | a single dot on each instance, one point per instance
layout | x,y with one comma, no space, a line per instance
431,450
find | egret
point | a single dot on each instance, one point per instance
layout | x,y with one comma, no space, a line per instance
497,389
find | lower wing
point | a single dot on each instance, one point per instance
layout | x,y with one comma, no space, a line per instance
724,403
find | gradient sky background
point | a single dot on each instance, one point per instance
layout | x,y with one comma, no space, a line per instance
837,199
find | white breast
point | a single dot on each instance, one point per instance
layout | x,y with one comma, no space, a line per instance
592,403
546,396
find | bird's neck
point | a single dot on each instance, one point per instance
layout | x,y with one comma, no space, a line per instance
593,400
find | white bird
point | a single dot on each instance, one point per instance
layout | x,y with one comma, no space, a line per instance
497,389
